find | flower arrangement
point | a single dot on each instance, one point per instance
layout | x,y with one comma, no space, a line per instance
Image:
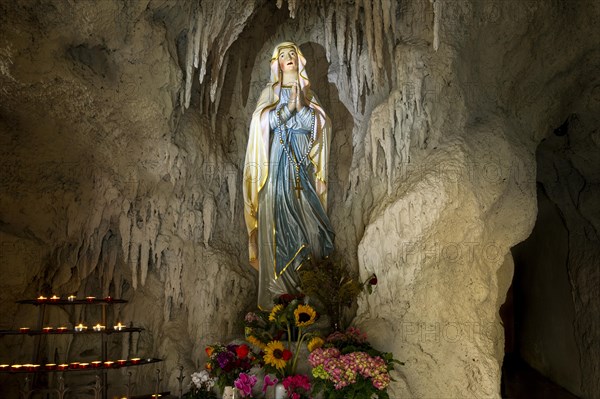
280,334
347,367
344,365
225,363
201,386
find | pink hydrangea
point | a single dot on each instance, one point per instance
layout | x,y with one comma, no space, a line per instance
343,370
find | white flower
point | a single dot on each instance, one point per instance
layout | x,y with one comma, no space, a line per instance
202,380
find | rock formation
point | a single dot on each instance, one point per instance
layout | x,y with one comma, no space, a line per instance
123,127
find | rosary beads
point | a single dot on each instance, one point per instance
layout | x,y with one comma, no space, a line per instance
289,152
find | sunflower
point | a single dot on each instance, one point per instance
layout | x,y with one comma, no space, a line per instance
275,312
304,315
256,342
276,355
315,343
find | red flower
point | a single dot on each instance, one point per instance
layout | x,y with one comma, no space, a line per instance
209,350
373,280
287,355
242,351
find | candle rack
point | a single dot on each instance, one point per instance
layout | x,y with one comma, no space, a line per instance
100,366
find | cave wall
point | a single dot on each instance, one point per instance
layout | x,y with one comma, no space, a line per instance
108,189
564,295
124,126
545,312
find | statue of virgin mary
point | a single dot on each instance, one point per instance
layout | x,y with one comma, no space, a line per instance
285,178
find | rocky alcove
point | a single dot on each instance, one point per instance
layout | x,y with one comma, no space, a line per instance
123,128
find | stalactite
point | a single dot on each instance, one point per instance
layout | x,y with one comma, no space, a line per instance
292,8
232,188
215,94
125,226
388,10
437,13
368,24
355,77
211,31
378,36
329,34
209,213
197,34
144,256
340,25
191,56
381,131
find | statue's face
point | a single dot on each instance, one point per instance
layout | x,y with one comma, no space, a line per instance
288,59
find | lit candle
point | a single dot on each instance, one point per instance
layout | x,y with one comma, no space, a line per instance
99,327
63,366
61,329
16,366
50,366
80,327
71,298
33,367
108,363
74,365
41,298
96,363
108,299
47,329
121,362
90,298
24,329
54,298
119,326
83,365
4,366
135,360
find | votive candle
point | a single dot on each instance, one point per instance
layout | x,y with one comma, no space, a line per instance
119,326
108,363
96,363
135,360
47,329
80,327
121,362
63,366
24,329
71,298
54,298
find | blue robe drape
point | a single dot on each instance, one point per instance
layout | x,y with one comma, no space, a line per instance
293,227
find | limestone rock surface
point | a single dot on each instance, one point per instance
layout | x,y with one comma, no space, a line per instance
123,128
